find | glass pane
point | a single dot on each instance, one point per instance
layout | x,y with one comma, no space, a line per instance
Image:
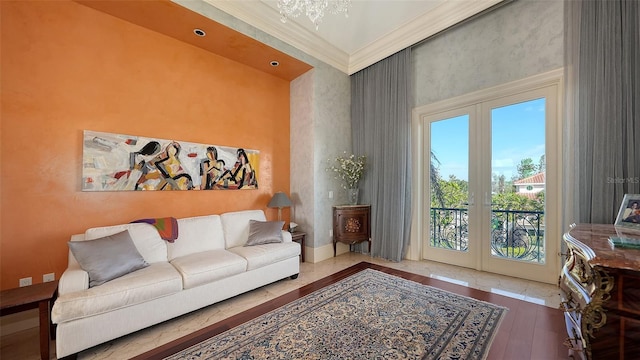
518,181
449,173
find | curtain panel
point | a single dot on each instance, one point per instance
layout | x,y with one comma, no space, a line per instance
602,57
381,98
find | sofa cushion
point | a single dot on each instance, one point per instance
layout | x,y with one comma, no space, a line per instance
236,226
207,266
263,255
107,258
197,234
144,236
154,281
264,232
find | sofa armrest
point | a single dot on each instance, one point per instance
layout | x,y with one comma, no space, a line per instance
73,279
286,236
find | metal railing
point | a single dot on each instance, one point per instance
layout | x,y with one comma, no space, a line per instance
515,234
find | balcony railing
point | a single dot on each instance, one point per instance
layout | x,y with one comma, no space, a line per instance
515,234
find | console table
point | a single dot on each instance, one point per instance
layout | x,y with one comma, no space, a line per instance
351,225
38,296
600,290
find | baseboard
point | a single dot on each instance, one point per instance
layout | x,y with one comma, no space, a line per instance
315,255
11,324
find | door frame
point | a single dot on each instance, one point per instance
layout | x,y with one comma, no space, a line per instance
554,176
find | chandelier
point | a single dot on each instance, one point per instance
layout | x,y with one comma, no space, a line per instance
314,9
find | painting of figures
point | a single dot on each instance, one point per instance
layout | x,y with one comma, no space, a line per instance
114,162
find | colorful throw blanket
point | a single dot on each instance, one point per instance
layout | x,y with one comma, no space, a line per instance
167,227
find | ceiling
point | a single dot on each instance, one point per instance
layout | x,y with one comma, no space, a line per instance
373,30
178,22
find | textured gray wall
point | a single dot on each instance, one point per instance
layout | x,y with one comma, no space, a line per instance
302,169
332,129
320,129
520,39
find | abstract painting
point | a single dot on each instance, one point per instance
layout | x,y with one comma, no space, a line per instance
114,162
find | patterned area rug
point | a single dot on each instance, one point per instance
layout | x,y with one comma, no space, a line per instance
369,315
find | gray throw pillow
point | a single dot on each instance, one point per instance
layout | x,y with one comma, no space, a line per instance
107,258
264,232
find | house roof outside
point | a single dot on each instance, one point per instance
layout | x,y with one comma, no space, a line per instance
538,178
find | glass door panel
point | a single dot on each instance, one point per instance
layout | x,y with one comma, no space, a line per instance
449,206
518,181
520,221
449,174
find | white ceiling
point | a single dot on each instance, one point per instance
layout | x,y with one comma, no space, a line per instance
373,30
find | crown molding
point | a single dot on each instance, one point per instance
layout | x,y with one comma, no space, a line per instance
440,18
267,19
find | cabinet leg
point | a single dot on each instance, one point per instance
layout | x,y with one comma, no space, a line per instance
334,249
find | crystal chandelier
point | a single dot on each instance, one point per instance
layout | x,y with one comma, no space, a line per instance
313,8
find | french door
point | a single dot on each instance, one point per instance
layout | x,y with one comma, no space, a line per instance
491,197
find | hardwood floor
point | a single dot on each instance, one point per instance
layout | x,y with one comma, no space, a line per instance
532,329
528,331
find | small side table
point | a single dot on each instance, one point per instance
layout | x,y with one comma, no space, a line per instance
351,225
299,238
39,296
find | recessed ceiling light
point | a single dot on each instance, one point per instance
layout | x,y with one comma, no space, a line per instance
274,63
199,32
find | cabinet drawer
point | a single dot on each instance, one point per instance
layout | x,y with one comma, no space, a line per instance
572,290
580,270
574,341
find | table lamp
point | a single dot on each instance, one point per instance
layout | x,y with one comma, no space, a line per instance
279,200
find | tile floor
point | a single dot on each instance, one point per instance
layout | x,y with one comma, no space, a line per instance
24,345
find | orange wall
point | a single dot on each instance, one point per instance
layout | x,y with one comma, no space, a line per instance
67,68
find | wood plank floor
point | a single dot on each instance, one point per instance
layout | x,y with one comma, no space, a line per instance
528,331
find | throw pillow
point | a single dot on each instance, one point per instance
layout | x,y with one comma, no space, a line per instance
264,232
107,258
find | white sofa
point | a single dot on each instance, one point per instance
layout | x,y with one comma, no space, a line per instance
207,263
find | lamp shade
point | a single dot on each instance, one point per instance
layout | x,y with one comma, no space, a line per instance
279,200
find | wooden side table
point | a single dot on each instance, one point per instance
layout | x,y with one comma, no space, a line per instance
351,225
39,296
299,238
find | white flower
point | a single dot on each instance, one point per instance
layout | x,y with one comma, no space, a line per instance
349,169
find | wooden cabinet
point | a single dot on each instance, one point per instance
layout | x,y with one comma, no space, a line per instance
351,225
600,290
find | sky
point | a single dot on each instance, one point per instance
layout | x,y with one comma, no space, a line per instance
517,132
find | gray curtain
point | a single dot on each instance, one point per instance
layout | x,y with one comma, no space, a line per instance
602,62
381,98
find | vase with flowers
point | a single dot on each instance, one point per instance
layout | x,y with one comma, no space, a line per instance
349,169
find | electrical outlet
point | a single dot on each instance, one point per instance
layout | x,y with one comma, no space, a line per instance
331,233
330,194
48,277
25,282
